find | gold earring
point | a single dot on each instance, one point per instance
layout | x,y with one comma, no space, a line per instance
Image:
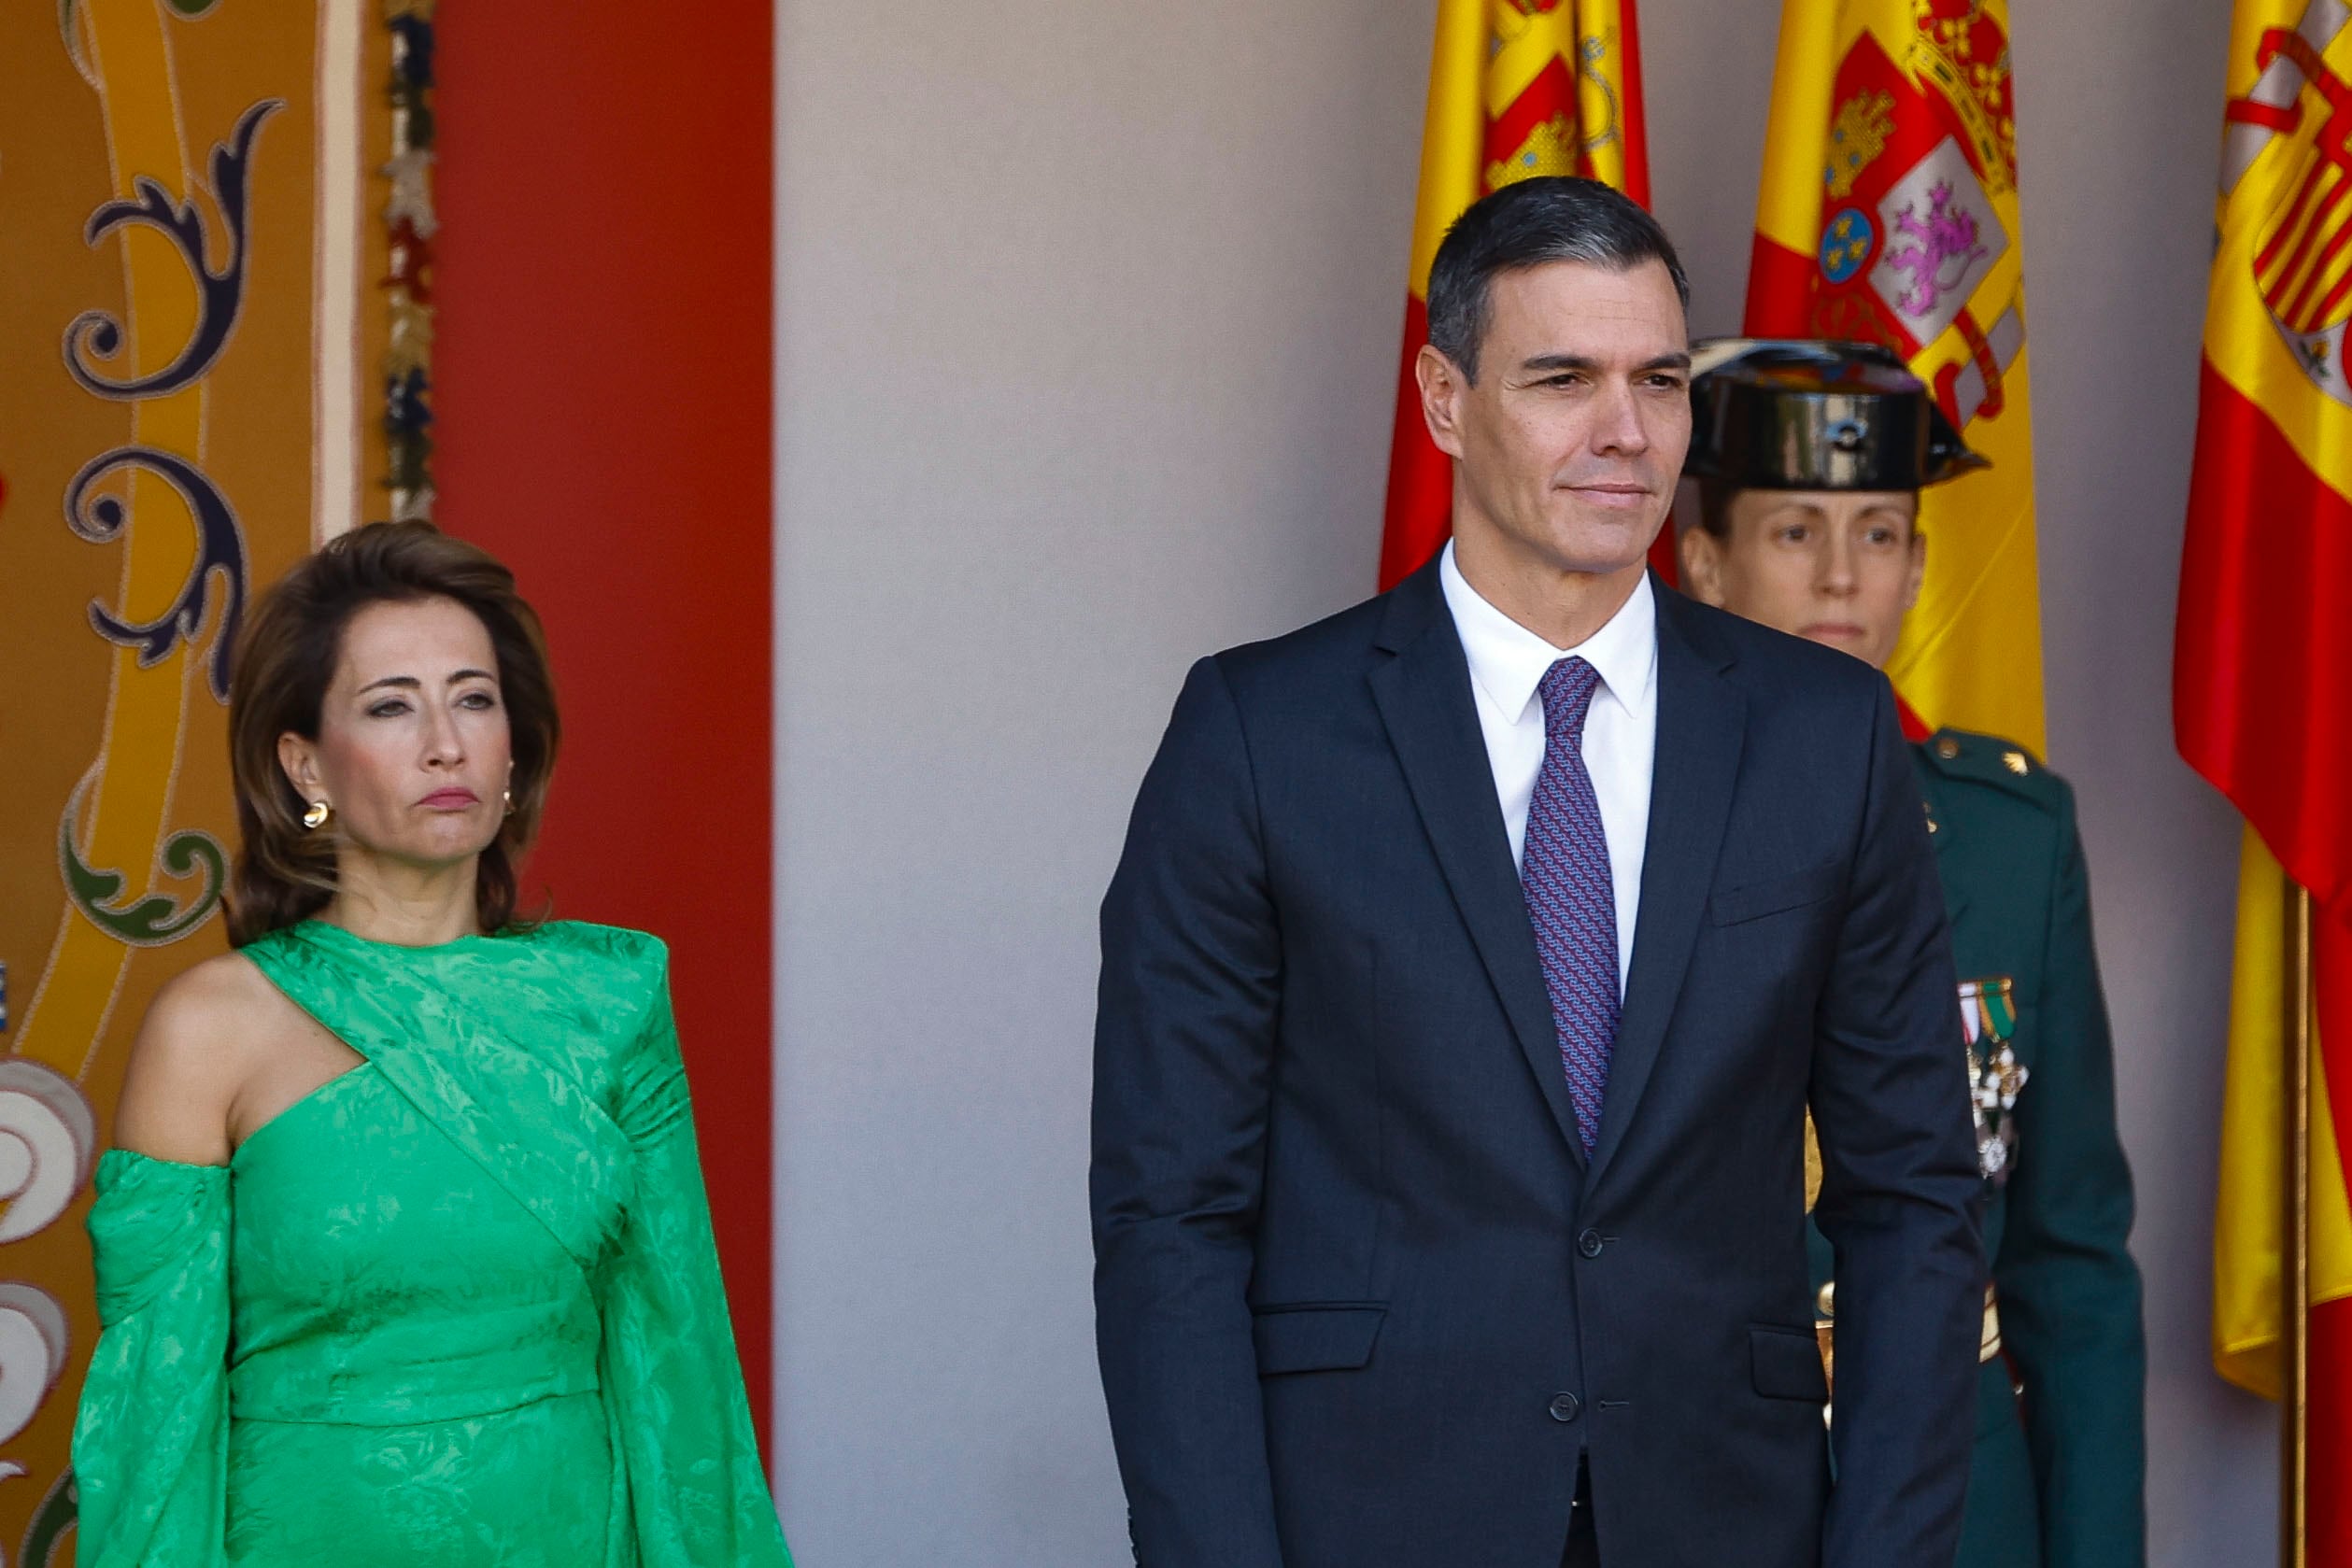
317,817
508,797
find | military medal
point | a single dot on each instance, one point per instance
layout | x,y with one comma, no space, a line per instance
1988,1017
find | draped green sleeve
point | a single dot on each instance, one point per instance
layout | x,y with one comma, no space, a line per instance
150,1443
697,1496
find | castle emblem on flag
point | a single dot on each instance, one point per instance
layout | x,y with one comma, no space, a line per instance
1856,138
2302,257
1549,149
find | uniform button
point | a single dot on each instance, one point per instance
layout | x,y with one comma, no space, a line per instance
1564,1406
1589,1244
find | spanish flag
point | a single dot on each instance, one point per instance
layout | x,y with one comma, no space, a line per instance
1889,213
2263,678
1516,87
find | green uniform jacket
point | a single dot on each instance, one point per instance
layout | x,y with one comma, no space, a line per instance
2058,1474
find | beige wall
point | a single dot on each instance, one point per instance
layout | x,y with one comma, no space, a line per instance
1087,319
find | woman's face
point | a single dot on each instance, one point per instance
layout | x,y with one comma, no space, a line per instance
413,752
1840,567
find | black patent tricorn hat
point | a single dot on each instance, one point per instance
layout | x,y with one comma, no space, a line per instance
1810,414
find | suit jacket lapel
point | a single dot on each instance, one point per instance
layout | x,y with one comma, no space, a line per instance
1423,696
1701,719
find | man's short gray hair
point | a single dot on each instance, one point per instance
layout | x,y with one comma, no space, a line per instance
1551,217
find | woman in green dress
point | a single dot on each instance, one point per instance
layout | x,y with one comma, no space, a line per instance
403,1254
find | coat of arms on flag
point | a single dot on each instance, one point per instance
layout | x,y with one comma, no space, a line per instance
1909,229
1888,214
2302,258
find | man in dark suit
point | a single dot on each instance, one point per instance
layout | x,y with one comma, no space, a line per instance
1471,965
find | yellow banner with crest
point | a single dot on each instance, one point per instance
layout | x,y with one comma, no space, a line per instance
192,251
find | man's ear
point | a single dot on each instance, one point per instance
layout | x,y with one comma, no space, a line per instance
1702,556
1443,387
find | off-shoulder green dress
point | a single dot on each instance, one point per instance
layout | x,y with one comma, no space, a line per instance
459,1305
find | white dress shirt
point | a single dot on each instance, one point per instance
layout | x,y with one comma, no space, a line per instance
1507,664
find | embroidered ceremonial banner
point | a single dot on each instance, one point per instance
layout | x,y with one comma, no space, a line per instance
189,257
2262,677
1889,213
1516,87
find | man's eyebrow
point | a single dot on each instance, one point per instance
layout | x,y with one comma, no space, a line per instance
1546,363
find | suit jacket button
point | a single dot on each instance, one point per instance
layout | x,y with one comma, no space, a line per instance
1564,1406
1589,1244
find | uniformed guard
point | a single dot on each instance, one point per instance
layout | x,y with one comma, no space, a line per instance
1809,457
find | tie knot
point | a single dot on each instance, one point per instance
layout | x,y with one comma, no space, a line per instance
1567,691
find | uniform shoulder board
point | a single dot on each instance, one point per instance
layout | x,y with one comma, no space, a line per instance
1991,759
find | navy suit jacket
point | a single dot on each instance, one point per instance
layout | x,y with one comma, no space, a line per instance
1361,1302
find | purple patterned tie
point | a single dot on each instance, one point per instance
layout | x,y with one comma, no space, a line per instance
1571,899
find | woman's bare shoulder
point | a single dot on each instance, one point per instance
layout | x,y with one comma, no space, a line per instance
193,1051
211,1000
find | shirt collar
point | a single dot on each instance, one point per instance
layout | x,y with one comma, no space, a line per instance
1509,661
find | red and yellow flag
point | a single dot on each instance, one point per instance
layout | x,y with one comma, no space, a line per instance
1516,87
2262,673
1889,213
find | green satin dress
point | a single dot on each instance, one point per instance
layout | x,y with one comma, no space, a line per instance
459,1305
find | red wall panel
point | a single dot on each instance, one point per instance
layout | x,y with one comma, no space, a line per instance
604,279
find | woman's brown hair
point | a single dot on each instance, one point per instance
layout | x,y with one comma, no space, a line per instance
285,658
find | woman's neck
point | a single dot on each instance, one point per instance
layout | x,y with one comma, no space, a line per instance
407,906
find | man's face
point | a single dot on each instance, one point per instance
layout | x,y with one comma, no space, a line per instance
1571,439
1840,567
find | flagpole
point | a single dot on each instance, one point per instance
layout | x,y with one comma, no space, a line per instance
2295,1285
